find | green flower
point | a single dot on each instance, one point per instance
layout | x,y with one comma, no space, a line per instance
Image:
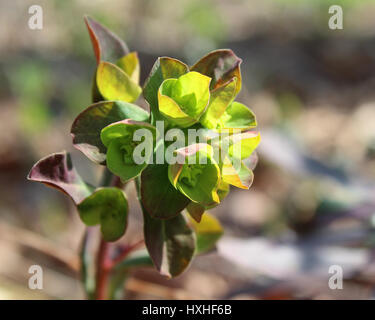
128,150
182,101
196,180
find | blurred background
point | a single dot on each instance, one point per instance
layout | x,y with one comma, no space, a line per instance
312,204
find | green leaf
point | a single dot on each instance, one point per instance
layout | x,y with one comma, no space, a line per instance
208,231
87,126
183,101
107,207
222,66
56,170
196,180
119,138
107,46
243,145
114,84
170,243
159,198
237,116
164,68
219,101
130,64
237,174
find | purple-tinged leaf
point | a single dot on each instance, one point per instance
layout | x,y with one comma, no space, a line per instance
222,66
56,170
170,243
107,46
195,211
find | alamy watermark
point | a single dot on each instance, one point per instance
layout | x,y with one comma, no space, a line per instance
36,280
36,19
336,280
336,20
180,146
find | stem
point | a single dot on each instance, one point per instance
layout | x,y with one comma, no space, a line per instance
86,274
102,271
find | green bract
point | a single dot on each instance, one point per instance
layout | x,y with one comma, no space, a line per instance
199,175
127,140
123,139
183,100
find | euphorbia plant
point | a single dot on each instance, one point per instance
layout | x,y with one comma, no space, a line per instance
177,178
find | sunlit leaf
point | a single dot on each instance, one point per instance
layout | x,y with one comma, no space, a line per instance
208,231
114,84
130,64
237,116
220,98
235,172
242,145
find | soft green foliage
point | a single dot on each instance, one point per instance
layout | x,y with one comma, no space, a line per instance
183,100
199,176
122,136
119,139
107,207
115,84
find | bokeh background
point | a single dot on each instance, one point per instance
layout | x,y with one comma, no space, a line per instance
312,204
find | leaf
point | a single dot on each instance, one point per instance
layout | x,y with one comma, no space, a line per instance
107,46
222,191
164,68
208,231
114,84
195,210
237,174
170,243
222,66
159,198
127,157
196,180
237,116
87,126
56,170
130,64
219,101
107,207
242,145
